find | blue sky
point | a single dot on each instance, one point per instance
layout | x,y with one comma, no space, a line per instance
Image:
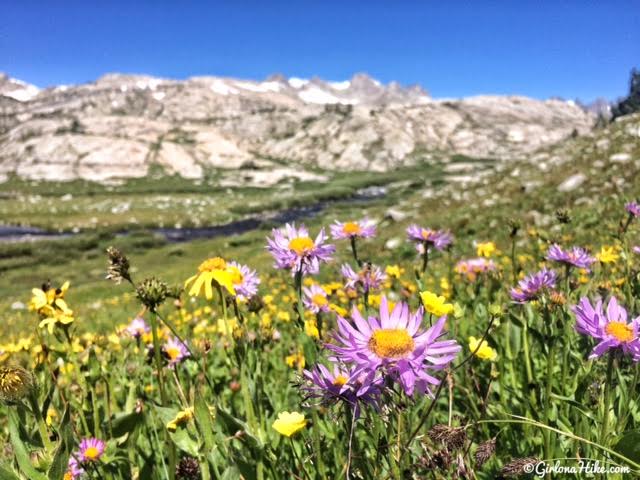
541,49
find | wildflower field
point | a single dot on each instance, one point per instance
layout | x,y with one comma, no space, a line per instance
466,338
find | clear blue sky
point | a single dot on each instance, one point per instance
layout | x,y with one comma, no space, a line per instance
566,48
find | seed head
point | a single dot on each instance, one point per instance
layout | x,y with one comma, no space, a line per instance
517,467
188,469
16,383
118,266
255,304
452,437
484,452
562,215
152,292
514,226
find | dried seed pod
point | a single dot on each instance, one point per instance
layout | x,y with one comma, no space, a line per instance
16,383
484,452
452,437
188,469
118,269
518,466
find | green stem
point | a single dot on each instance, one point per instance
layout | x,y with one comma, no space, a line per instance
354,251
425,259
299,304
604,432
547,397
42,426
514,269
317,446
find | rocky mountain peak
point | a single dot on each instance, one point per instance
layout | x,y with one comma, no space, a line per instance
121,125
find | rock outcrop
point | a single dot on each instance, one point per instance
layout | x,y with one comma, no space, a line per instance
120,126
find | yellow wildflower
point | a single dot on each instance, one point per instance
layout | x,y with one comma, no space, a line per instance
486,249
435,304
338,309
311,328
295,360
608,255
212,271
482,350
393,271
181,418
289,423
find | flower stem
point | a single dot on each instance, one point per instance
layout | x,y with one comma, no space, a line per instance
354,251
425,259
547,397
604,432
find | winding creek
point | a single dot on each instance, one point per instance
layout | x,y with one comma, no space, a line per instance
17,234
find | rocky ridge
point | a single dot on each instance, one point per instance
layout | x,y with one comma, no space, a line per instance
124,126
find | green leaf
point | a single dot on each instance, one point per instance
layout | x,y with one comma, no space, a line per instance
629,445
233,425
7,474
204,421
20,450
124,423
61,457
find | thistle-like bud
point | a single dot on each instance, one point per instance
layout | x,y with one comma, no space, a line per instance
484,452
452,437
188,469
557,298
518,466
175,291
514,226
118,266
255,304
562,215
16,383
152,292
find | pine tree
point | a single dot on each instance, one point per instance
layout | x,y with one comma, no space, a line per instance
631,103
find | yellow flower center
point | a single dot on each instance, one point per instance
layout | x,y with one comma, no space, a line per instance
391,343
319,300
301,245
351,228
426,234
340,380
92,453
236,276
172,352
620,331
211,264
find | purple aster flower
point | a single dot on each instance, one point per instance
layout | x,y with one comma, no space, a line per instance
294,250
636,250
633,208
245,281
315,299
344,385
175,351
610,327
74,470
368,279
575,257
137,327
395,345
425,237
533,286
475,266
364,228
90,450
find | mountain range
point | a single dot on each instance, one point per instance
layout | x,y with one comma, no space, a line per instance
128,126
